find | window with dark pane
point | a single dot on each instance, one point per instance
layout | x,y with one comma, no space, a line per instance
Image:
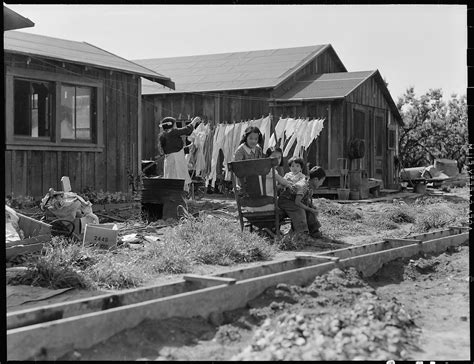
33,102
77,112
391,139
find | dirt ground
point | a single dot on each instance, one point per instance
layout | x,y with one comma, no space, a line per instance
415,309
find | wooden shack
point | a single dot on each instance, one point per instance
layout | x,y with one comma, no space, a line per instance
71,109
293,82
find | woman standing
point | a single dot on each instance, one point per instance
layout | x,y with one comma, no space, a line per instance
172,144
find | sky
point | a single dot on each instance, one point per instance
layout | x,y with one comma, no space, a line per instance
423,46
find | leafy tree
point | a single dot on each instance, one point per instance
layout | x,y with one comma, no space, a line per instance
432,128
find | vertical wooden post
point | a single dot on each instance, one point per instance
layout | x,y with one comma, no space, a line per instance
329,137
140,128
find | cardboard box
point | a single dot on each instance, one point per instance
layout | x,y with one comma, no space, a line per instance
102,235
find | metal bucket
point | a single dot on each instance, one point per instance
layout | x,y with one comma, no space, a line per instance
161,198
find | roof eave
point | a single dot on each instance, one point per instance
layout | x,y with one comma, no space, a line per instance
162,80
309,99
165,82
14,20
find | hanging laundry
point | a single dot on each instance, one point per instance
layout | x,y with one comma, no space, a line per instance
265,128
291,129
280,130
299,135
218,142
227,147
317,126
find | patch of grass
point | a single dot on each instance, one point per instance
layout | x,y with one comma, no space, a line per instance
328,207
435,217
59,266
117,271
382,222
211,240
400,214
294,241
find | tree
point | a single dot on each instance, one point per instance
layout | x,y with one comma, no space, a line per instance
432,128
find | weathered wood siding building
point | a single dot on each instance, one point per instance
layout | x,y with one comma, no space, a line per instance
71,109
295,82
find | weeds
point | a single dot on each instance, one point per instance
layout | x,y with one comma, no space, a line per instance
435,217
58,267
294,241
400,214
336,209
211,240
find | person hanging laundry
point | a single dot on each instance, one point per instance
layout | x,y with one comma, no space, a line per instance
250,145
175,165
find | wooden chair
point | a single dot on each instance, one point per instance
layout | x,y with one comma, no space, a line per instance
256,199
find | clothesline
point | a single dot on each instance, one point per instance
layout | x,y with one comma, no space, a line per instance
208,141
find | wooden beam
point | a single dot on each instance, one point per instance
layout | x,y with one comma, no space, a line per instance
316,257
208,279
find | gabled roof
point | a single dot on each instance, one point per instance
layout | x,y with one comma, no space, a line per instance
331,86
13,20
326,86
77,52
231,71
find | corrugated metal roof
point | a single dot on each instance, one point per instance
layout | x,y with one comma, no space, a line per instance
13,20
76,52
326,86
230,71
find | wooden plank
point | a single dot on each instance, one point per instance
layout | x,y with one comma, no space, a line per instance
441,244
52,339
402,242
317,257
208,280
433,235
111,133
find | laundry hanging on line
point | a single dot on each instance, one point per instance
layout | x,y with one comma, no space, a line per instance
208,141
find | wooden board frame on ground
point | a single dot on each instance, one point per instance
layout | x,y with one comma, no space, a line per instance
49,332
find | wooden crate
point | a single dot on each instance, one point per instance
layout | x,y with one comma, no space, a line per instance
36,233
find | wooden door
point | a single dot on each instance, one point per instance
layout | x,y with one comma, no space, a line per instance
380,145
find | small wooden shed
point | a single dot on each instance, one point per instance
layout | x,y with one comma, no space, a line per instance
292,82
71,109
